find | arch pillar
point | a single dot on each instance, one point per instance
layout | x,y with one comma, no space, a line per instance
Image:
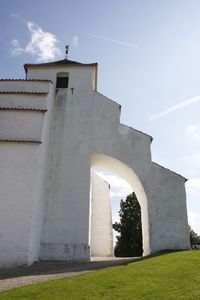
101,240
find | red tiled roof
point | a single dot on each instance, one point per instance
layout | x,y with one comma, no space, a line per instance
23,108
2,79
28,93
19,141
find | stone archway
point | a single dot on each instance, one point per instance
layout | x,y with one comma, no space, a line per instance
116,166
90,134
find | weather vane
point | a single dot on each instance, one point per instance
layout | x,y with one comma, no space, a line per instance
66,51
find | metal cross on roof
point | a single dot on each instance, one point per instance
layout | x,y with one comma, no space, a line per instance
66,51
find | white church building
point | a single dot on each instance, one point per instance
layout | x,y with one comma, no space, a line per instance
54,127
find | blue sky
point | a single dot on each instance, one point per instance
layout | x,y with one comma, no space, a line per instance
148,55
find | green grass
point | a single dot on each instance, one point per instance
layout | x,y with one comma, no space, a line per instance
174,275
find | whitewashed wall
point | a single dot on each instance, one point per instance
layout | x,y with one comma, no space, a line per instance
21,125
101,244
18,173
23,101
26,86
22,129
81,77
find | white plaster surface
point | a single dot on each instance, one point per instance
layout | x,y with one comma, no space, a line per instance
21,125
169,228
25,86
81,129
18,163
101,244
30,101
81,78
38,205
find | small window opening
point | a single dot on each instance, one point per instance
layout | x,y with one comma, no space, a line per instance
62,81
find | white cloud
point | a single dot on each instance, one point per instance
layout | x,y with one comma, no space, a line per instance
120,191
193,198
115,218
76,40
16,49
194,131
178,106
193,183
115,41
194,221
119,188
192,159
42,44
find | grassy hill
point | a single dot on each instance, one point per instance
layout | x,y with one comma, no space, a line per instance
174,275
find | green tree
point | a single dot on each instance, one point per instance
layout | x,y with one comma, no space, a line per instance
193,238
129,241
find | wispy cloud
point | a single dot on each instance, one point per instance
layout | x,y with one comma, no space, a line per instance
194,131
42,44
14,15
17,16
178,106
115,41
75,40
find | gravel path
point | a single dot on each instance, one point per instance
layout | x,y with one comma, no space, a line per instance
43,271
